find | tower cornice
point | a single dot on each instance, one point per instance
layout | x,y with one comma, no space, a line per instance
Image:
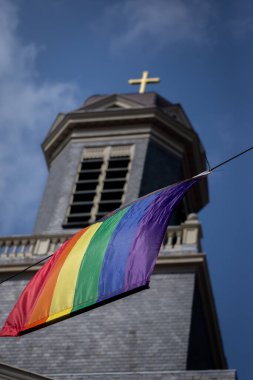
122,123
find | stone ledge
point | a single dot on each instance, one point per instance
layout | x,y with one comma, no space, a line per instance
153,375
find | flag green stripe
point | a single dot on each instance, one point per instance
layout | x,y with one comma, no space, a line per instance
86,290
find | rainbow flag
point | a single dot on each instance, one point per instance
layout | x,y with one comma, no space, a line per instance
105,261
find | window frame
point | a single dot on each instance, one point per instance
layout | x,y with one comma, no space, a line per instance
107,154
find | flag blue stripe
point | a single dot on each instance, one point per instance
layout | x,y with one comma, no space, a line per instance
113,270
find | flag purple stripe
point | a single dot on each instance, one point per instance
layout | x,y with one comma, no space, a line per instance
150,233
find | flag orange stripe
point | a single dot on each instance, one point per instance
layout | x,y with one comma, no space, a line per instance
42,307
34,324
64,290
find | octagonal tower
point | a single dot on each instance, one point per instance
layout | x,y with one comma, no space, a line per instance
112,150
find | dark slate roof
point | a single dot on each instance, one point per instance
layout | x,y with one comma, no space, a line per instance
146,332
148,99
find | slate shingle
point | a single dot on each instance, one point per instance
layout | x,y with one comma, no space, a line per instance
147,331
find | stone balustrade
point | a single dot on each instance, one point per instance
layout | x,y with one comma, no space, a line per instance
181,239
30,246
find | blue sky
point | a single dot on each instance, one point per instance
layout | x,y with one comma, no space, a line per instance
56,53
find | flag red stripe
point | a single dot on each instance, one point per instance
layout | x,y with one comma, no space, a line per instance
21,311
42,306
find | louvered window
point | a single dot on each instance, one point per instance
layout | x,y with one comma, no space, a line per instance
100,185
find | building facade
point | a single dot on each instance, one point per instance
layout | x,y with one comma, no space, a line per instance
112,150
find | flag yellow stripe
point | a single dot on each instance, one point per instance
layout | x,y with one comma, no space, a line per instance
60,314
65,286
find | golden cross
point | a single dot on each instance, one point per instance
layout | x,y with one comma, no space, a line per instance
144,81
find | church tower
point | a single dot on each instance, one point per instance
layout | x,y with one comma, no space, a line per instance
110,151
113,150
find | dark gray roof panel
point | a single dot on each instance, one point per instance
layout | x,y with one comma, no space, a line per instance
148,99
148,331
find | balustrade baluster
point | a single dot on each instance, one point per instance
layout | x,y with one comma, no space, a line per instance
4,249
23,243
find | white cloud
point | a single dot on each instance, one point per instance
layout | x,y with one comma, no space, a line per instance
27,108
158,23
